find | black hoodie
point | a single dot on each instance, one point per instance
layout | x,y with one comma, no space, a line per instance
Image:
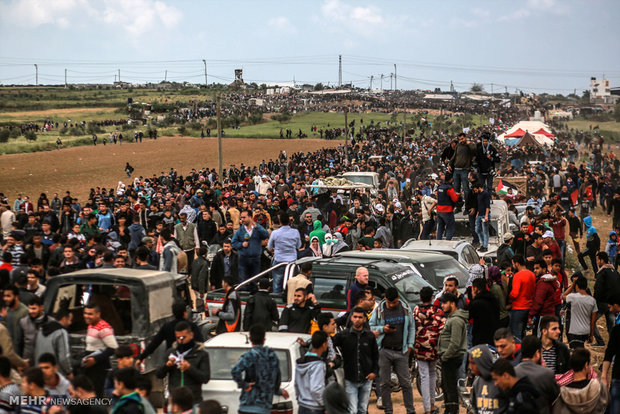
484,311
522,398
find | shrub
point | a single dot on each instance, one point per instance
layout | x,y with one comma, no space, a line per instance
63,131
30,135
255,118
15,133
4,135
93,128
195,125
182,130
283,117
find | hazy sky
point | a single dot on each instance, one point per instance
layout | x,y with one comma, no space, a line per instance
534,45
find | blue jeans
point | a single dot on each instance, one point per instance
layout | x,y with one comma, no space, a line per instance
427,229
306,410
482,230
472,227
460,180
486,180
518,321
358,395
248,267
445,223
614,403
277,276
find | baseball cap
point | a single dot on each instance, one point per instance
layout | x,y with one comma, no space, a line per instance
509,236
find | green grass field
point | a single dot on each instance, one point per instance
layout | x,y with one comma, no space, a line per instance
267,129
610,130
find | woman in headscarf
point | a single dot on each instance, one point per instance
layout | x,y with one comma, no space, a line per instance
340,245
330,244
313,249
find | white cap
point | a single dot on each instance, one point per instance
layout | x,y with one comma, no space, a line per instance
397,205
548,233
408,180
379,207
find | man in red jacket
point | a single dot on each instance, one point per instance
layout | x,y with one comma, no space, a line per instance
545,293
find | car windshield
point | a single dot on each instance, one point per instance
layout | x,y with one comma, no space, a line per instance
223,359
437,270
409,283
364,179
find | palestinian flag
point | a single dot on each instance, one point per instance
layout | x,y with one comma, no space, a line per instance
501,189
506,189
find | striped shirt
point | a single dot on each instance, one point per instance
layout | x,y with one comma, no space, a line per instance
549,356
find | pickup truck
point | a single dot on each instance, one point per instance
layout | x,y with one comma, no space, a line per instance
332,277
499,225
135,302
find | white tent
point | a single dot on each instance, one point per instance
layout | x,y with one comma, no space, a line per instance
531,127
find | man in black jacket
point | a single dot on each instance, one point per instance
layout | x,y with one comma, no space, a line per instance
200,273
188,362
484,311
261,309
607,286
225,263
555,354
296,317
486,157
471,207
361,361
166,332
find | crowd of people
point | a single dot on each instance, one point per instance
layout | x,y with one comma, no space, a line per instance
505,329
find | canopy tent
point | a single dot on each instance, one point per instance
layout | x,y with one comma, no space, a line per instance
541,131
528,139
517,134
537,129
537,140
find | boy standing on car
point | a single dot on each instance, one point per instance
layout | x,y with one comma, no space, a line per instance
257,373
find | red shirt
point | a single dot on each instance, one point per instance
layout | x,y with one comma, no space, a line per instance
523,287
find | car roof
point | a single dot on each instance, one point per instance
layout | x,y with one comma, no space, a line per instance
383,263
146,277
359,173
434,244
378,254
277,340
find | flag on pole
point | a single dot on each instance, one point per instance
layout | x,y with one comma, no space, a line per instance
501,189
574,197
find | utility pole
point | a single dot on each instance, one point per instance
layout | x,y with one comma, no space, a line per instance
166,75
339,70
395,85
491,88
381,83
391,76
65,78
404,127
219,138
36,76
371,78
346,135
119,76
205,63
